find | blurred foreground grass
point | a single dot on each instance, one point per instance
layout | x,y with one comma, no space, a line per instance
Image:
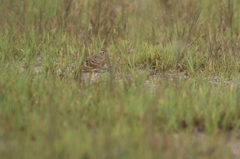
171,89
68,119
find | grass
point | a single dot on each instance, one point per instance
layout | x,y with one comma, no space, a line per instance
171,89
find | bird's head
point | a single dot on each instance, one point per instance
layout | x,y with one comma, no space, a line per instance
103,52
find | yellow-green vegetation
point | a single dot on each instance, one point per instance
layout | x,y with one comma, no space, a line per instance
171,89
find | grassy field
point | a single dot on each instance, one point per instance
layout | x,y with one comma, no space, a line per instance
171,89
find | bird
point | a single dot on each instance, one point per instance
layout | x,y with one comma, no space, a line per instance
94,62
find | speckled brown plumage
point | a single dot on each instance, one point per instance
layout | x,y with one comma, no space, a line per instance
94,61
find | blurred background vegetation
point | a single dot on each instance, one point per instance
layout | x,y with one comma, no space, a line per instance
188,35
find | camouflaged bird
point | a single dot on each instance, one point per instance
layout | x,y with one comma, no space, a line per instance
94,62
